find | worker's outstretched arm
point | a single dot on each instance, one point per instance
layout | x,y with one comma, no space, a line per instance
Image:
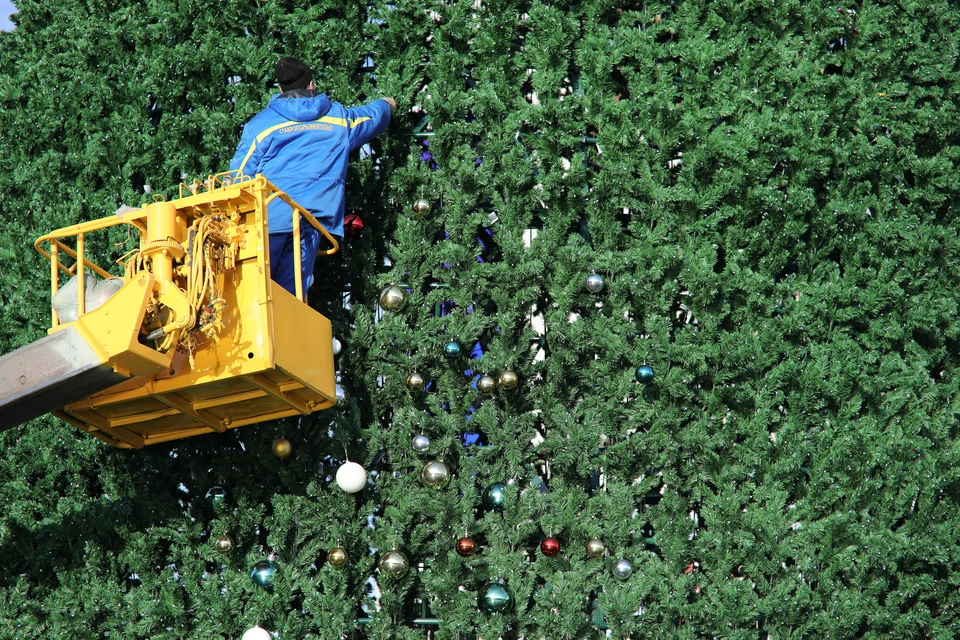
368,121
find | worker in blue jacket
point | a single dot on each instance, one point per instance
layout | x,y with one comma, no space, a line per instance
301,142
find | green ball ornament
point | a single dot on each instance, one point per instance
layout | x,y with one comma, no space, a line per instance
495,497
452,350
394,564
217,497
393,298
494,599
264,574
644,374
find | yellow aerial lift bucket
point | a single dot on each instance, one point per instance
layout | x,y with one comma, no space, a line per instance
196,339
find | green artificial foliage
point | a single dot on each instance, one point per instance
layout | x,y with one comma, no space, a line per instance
769,193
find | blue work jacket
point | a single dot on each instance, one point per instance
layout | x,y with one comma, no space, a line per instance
302,144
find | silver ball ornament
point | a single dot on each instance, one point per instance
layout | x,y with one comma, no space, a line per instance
421,443
594,283
622,569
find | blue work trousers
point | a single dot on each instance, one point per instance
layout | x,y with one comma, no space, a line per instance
282,259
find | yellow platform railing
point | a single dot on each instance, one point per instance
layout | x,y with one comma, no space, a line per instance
136,219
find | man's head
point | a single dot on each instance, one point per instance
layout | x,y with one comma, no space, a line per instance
293,74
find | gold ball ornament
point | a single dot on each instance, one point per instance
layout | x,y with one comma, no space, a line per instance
394,564
508,380
223,544
486,385
338,557
282,448
595,548
393,298
415,382
435,475
421,207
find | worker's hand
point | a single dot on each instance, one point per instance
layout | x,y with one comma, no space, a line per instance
392,103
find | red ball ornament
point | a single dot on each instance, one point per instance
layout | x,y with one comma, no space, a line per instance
352,225
466,547
550,546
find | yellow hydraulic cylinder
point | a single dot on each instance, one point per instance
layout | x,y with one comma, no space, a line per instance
166,232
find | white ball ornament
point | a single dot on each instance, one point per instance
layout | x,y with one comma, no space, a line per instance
257,633
337,347
351,477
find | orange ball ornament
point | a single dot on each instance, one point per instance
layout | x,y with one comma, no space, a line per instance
466,547
282,448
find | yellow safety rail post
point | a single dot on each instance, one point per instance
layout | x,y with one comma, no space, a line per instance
81,280
54,282
300,212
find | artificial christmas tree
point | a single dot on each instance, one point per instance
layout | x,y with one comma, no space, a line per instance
766,192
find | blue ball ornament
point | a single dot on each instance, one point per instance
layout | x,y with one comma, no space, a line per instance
264,574
217,497
644,374
452,350
494,599
495,496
